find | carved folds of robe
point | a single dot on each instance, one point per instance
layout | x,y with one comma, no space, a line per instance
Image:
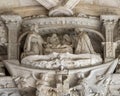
33,44
84,44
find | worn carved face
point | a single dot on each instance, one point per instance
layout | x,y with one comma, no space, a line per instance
78,31
66,39
34,28
54,39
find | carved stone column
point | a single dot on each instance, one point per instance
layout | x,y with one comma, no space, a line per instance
13,23
62,85
109,22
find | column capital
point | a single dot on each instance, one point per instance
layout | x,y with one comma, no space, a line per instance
11,18
109,18
109,21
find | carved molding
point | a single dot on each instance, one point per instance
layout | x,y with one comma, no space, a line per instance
109,22
60,21
11,18
60,11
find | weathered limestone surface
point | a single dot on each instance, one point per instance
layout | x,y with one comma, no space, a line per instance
32,7
59,48
16,3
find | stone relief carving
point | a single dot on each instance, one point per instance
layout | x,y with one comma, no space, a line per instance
8,87
3,38
84,44
58,7
3,34
34,43
55,45
56,49
44,86
63,63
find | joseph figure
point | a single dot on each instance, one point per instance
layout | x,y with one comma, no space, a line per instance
84,44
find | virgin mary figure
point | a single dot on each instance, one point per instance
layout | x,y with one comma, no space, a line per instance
34,43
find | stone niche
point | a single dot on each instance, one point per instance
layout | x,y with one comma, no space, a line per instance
59,54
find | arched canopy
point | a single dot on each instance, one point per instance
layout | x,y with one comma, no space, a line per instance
81,29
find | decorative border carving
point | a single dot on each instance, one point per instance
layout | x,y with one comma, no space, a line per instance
60,21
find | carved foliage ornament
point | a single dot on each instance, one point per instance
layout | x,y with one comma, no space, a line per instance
3,34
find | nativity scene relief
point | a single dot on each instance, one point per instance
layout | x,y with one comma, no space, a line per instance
63,49
59,50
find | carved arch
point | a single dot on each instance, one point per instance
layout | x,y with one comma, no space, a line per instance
21,37
83,29
94,31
